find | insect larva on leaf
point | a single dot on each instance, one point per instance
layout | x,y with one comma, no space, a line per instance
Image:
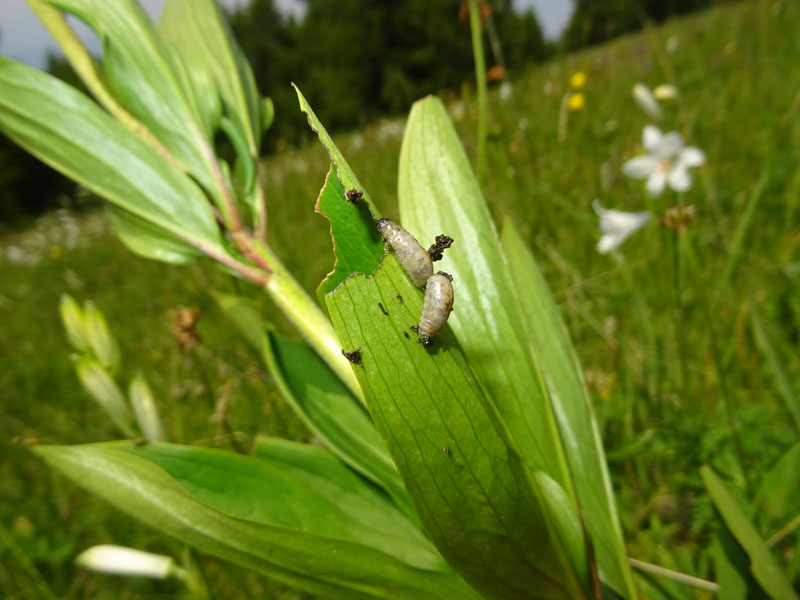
436,307
416,262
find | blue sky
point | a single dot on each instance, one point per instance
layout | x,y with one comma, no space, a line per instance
23,38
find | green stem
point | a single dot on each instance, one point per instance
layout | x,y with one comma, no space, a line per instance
307,317
480,77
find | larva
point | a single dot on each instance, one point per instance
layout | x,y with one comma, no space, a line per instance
414,259
436,307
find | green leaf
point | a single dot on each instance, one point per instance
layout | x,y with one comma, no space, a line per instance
307,559
357,245
72,318
106,393
63,128
762,564
438,194
782,381
572,406
478,501
102,342
144,407
266,492
319,398
149,241
346,176
147,78
203,39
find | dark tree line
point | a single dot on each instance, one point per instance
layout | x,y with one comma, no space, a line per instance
358,59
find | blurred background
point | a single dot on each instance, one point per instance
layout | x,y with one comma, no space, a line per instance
686,367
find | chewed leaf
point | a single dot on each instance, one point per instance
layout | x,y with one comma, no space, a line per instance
357,245
345,174
474,495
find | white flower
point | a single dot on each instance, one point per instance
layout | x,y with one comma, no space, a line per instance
617,226
665,91
667,161
647,101
119,560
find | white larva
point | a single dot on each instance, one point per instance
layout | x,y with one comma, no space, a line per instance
414,259
436,307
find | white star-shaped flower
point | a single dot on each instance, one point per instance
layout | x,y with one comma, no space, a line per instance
666,163
617,226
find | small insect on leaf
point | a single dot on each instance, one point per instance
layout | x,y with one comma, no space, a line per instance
446,450
399,298
353,356
442,243
416,262
383,310
436,307
405,333
353,196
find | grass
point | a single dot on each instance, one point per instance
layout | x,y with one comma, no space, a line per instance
680,374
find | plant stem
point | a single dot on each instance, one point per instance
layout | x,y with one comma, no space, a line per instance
307,317
674,575
783,532
480,80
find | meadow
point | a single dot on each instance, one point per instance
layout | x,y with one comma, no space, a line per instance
688,342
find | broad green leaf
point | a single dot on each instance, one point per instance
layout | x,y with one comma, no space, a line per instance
319,398
146,77
438,194
762,564
145,409
103,343
105,392
204,40
149,241
357,245
571,403
775,362
345,174
473,491
72,318
265,491
312,561
63,128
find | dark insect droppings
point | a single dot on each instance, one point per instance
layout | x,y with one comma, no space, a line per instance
399,298
354,356
405,333
383,310
353,196
443,242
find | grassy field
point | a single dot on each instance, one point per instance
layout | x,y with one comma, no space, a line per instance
669,338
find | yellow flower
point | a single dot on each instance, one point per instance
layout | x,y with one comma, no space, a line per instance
578,80
576,102
56,251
